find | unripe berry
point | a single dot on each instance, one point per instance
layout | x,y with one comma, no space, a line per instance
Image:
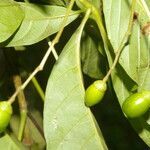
95,92
137,104
5,114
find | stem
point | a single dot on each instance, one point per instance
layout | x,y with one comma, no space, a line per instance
102,30
23,118
105,39
22,105
98,20
38,88
42,64
54,53
53,50
124,40
56,40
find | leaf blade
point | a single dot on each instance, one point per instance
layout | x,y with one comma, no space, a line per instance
135,60
68,123
91,58
117,15
39,23
8,143
10,20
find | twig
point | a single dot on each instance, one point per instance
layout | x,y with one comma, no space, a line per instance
42,64
22,105
98,19
53,50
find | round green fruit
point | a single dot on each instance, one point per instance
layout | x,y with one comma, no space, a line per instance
95,92
5,114
137,104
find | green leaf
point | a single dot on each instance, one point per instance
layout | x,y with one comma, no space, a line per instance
135,60
92,60
117,14
123,87
68,123
40,22
136,55
142,128
148,3
11,16
117,27
9,143
142,14
144,79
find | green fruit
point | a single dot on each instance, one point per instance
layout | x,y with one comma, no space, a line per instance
5,114
95,92
137,104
